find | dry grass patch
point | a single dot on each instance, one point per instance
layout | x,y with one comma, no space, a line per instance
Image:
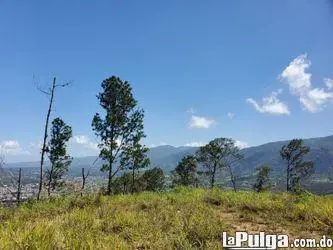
182,219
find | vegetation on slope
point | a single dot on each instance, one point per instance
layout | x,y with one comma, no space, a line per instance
184,218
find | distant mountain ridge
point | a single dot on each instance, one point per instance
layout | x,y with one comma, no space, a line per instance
167,156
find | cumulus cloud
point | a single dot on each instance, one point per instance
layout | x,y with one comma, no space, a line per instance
81,139
231,115
12,147
270,104
82,145
315,99
328,82
299,81
241,144
84,141
78,146
201,122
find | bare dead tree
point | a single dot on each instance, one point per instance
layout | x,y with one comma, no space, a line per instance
5,174
49,92
84,178
15,188
86,174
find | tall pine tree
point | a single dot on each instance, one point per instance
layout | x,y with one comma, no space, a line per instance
121,120
57,154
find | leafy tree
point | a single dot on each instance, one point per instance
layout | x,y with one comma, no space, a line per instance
297,169
57,154
121,121
217,154
122,184
185,172
150,180
153,179
263,182
135,156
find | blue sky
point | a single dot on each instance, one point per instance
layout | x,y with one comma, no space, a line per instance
256,71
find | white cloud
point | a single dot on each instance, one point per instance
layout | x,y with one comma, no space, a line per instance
231,115
12,147
157,145
200,122
191,110
315,99
78,146
36,145
299,81
82,145
81,139
271,104
241,144
85,142
328,82
195,144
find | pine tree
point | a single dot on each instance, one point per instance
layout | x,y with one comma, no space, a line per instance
296,168
218,154
57,154
185,173
263,182
121,120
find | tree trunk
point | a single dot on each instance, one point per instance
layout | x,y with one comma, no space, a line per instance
124,186
288,176
232,178
110,163
133,180
110,178
83,181
233,184
49,182
44,140
18,198
213,177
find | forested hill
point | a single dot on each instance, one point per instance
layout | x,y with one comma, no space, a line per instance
321,152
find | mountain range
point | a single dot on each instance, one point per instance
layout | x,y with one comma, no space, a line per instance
167,157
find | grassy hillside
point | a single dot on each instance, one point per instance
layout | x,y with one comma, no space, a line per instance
183,219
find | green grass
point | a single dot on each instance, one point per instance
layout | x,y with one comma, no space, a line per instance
182,219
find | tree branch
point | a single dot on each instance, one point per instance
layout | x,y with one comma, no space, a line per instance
65,84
